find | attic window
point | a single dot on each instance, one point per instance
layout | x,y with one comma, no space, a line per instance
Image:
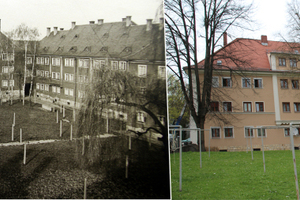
60,49
106,34
88,49
128,49
104,49
45,48
73,49
63,36
76,36
219,62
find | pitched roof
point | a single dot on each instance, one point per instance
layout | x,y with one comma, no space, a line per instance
250,54
112,40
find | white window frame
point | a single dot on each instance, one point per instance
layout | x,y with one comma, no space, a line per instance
41,86
232,131
46,87
54,89
47,61
161,72
84,63
142,70
259,86
215,81
246,80
251,128
230,82
256,106
114,65
264,130
56,61
285,131
98,64
4,83
140,116
47,74
37,86
69,62
66,90
211,132
223,106
58,90
247,106
122,65
71,92
28,60
40,60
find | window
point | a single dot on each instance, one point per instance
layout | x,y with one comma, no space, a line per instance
286,107
227,107
297,107
37,86
259,106
11,83
46,87
58,90
66,91
293,62
247,106
56,61
81,94
161,71
295,84
140,117
215,132
248,132
215,81
83,79
284,83
8,69
42,73
281,61
47,74
71,92
40,60
84,63
4,83
98,64
286,131
122,65
263,132
29,60
246,82
214,106
142,70
47,61
69,77
8,56
257,83
42,86
56,75
69,62
226,82
114,65
228,132
54,89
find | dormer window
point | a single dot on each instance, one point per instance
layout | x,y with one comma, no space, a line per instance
128,49
45,49
88,49
76,36
106,35
62,37
60,49
104,49
73,49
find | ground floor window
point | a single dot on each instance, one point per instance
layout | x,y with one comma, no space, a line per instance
228,132
215,132
248,132
263,132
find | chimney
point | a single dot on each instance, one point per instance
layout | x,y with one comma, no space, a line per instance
92,22
264,40
100,21
128,20
61,29
73,25
48,31
149,24
224,39
55,30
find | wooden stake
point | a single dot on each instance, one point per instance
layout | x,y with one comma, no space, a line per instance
12,132
20,135
60,129
24,160
56,116
126,173
82,145
129,147
84,191
71,132
64,112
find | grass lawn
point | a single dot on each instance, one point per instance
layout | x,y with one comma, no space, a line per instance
233,175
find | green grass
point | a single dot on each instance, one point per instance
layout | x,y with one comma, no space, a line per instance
233,175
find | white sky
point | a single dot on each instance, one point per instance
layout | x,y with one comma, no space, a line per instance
50,13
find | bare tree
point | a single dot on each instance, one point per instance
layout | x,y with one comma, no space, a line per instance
27,37
181,40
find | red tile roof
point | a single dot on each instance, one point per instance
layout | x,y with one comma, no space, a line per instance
250,54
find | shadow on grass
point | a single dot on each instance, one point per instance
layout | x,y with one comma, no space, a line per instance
13,178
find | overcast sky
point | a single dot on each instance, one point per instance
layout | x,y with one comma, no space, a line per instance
50,13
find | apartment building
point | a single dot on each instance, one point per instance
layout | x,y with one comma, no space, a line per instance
66,60
255,84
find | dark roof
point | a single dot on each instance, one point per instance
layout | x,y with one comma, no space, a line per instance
109,40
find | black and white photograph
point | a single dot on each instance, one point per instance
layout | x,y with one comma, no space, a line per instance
83,100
